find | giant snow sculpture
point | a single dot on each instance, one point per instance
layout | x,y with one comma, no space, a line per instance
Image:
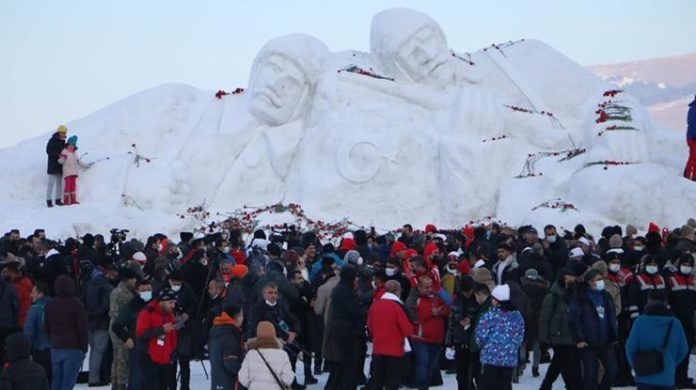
410,132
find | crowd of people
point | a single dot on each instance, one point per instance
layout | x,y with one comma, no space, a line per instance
484,303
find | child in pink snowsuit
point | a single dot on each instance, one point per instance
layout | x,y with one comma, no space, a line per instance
71,162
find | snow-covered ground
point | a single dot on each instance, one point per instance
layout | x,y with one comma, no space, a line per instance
527,382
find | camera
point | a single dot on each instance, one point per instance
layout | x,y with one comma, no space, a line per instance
118,236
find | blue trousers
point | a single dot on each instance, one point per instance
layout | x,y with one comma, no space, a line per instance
590,363
67,364
135,370
427,361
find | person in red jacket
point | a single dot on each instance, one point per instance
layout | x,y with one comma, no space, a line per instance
390,328
429,313
156,337
23,286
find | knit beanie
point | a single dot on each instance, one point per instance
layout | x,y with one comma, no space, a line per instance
615,241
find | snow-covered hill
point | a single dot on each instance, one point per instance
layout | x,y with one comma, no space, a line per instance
664,85
415,133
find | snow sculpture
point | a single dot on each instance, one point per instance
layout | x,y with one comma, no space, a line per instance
283,78
283,83
410,45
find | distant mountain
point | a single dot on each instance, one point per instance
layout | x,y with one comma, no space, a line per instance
664,85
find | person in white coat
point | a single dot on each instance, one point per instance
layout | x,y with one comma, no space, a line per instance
266,365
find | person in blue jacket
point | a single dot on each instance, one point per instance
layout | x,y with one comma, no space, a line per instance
593,326
690,170
648,333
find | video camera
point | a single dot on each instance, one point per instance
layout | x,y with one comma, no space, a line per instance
118,236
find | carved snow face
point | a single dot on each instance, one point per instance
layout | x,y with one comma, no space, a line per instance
277,91
425,59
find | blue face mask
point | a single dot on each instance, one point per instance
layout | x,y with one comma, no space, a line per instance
488,234
599,285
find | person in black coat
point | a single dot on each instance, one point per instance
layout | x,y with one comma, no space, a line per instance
226,352
97,298
555,250
20,372
55,171
347,324
185,311
302,309
593,326
287,326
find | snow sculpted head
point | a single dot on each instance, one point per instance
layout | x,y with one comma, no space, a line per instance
410,45
284,76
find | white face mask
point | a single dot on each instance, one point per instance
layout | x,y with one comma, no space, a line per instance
651,269
374,285
176,288
614,267
685,269
271,304
390,271
551,238
360,261
599,285
146,295
638,248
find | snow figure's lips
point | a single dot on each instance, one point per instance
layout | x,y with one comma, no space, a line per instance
268,98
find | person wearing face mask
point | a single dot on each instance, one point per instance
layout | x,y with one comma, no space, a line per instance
184,312
621,277
647,279
123,326
592,322
226,352
636,251
120,296
554,330
682,301
393,271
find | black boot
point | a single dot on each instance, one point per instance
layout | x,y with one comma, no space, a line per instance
59,202
49,203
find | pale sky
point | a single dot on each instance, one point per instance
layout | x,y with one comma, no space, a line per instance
61,60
